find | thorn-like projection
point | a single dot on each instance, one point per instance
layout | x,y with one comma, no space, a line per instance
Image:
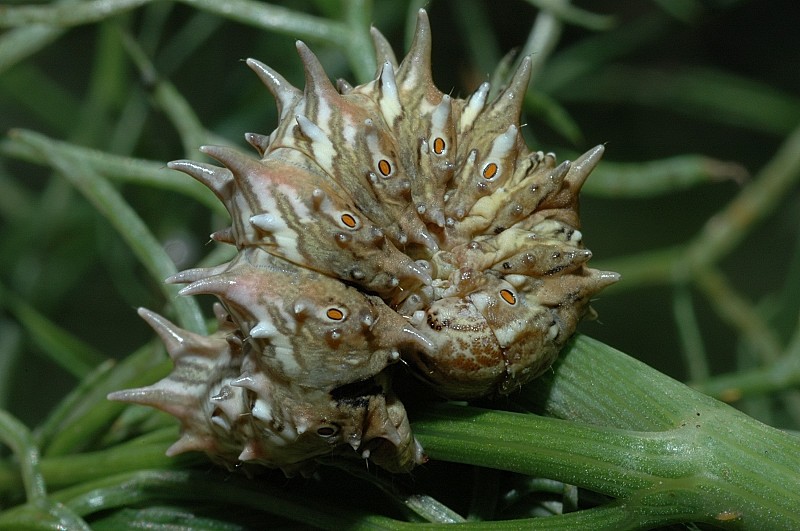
225,235
285,94
219,285
415,70
390,105
582,167
193,275
176,340
310,130
343,86
190,443
241,165
260,142
509,102
474,106
219,180
318,85
566,198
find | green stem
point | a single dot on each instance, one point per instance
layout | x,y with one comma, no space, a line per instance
65,14
120,169
694,353
17,436
699,468
110,203
723,232
643,269
564,450
92,466
361,53
72,429
729,462
169,100
668,453
422,506
19,43
69,351
261,15
278,19
575,15
544,36
659,177
734,309
785,374
199,487
265,16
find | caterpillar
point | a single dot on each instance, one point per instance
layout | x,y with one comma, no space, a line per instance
380,223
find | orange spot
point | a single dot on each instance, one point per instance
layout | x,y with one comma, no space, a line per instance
349,220
490,170
335,314
384,167
728,516
438,145
508,296
730,395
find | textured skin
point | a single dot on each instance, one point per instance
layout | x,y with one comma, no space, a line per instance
382,222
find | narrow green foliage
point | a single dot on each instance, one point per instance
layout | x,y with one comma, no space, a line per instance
695,206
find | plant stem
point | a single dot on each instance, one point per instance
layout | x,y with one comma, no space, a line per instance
717,461
65,14
121,169
19,438
360,52
130,226
276,18
723,232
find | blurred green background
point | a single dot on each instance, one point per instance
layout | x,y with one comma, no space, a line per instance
652,80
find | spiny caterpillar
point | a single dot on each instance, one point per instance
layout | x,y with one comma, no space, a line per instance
382,222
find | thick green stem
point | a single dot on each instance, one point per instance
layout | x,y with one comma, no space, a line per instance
724,464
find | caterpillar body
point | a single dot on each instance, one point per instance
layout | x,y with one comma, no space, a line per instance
380,223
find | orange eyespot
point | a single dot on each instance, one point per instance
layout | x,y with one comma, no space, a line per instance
384,167
490,170
507,296
349,220
335,314
438,145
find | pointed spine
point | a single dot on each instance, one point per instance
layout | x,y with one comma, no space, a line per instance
260,142
508,103
474,106
286,95
583,166
318,85
237,162
218,180
415,70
